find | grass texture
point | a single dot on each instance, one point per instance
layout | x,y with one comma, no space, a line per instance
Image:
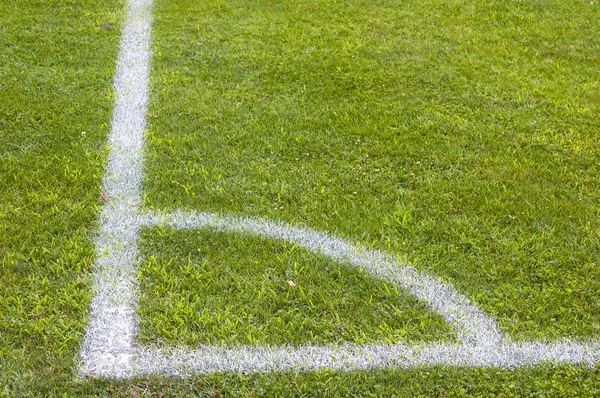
229,289
460,135
57,61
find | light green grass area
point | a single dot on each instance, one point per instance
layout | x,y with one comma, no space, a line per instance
229,289
57,63
463,135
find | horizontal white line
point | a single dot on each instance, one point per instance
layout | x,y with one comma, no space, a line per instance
177,361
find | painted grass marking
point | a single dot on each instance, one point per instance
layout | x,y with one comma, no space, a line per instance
108,349
177,361
108,343
471,325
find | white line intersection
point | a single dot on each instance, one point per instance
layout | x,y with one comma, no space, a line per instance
109,350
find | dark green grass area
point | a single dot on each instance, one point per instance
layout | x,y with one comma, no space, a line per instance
463,135
56,65
425,382
543,381
203,287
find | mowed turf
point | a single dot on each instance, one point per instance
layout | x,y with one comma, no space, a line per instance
463,135
57,61
229,289
460,135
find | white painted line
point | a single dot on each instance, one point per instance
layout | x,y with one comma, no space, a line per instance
107,345
177,361
108,348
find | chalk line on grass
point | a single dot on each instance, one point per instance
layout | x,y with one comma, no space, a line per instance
109,349
178,361
470,324
107,345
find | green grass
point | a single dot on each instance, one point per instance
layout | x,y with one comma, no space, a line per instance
230,289
462,135
57,61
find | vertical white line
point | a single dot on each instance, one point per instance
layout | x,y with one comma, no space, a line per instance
108,343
